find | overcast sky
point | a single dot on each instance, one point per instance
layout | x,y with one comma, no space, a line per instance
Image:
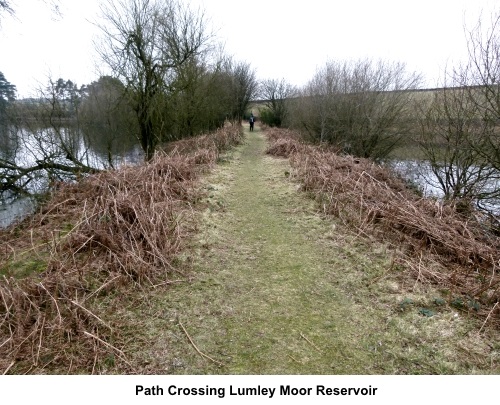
280,38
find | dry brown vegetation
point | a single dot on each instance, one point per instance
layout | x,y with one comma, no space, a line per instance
93,242
436,243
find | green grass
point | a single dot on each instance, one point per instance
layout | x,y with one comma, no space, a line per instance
277,289
408,151
23,267
25,260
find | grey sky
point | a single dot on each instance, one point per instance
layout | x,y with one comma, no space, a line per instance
279,38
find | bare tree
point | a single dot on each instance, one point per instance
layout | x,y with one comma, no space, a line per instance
201,101
144,43
314,110
361,107
6,6
107,120
460,133
46,144
481,77
244,87
276,95
451,137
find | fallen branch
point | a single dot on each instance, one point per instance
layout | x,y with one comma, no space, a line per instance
120,353
295,360
91,314
8,368
488,317
311,343
196,348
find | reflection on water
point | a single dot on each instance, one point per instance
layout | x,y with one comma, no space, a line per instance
420,174
12,210
25,147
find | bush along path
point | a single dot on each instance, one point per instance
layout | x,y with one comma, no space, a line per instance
277,289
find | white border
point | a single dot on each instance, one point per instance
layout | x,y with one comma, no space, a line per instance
122,389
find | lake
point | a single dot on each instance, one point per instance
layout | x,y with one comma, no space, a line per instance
25,147
420,174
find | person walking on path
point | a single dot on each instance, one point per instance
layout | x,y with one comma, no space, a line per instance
251,120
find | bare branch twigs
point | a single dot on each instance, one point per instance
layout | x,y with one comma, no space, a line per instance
311,343
196,348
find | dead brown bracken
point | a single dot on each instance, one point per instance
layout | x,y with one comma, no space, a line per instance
108,233
438,243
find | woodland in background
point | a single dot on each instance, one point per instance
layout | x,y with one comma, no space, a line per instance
169,80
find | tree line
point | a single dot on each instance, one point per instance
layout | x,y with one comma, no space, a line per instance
169,79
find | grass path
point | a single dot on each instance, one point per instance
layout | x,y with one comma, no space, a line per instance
276,289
